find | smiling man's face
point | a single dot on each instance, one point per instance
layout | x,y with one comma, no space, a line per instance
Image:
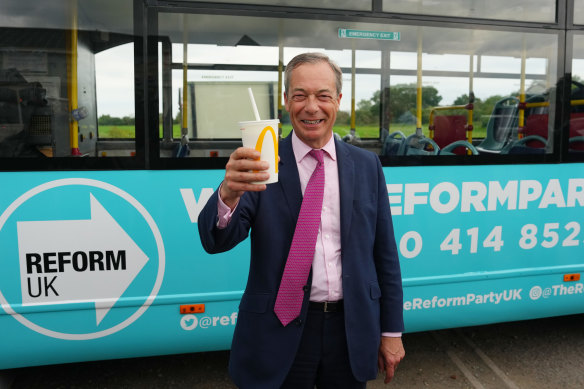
312,102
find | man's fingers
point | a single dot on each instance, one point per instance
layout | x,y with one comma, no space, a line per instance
245,160
241,187
245,152
246,165
236,178
391,353
243,168
389,373
388,366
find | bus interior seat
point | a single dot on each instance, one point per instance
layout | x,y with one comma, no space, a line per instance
576,145
449,129
393,144
576,142
535,136
577,93
500,125
420,145
352,138
503,123
536,124
458,145
521,146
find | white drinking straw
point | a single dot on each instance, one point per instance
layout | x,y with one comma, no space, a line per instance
253,104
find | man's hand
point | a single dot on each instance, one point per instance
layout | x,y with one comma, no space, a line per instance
243,168
391,352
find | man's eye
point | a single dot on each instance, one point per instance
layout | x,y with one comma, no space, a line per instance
298,97
325,97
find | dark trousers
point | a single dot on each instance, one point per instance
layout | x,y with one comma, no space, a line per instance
322,359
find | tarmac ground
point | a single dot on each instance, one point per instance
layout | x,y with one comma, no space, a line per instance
546,353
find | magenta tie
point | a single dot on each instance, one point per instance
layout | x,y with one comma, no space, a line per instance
291,292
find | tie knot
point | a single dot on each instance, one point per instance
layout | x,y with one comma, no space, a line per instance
318,155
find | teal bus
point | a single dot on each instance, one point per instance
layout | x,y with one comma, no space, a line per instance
117,118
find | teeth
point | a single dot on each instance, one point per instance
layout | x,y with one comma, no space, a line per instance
311,121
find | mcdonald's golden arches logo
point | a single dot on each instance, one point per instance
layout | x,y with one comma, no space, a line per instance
260,143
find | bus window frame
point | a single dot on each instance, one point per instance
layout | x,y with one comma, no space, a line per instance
558,154
81,163
147,141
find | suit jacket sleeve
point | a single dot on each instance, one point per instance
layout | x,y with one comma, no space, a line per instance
216,240
387,262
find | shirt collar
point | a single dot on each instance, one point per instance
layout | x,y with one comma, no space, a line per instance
301,149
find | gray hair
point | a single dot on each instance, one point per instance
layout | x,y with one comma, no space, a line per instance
313,58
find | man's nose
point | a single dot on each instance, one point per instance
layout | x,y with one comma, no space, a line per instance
311,105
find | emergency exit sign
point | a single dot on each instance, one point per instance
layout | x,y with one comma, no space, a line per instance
364,34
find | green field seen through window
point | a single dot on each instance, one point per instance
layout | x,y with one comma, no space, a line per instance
127,131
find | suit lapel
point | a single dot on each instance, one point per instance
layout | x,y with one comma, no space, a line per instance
346,167
288,177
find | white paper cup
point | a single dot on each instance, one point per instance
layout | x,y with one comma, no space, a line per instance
262,135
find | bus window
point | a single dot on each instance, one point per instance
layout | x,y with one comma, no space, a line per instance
576,126
114,69
408,90
516,10
54,61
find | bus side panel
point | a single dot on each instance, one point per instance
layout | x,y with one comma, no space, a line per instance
99,265
485,244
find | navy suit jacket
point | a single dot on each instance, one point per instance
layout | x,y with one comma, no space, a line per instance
263,350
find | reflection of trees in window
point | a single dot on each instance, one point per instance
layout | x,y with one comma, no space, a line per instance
402,99
482,109
402,105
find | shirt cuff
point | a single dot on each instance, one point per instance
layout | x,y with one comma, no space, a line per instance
392,334
224,213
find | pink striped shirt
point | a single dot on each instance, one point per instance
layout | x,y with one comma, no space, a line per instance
326,265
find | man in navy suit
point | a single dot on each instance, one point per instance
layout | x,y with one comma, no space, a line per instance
351,319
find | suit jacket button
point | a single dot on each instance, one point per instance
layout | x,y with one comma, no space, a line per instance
298,322
305,288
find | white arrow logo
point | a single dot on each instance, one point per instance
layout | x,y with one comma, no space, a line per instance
73,261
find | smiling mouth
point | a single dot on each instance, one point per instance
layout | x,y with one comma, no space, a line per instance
313,121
